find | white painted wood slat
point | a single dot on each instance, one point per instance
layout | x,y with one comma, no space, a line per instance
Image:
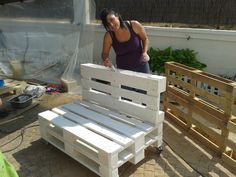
122,106
89,84
93,126
84,134
128,130
89,71
153,84
145,126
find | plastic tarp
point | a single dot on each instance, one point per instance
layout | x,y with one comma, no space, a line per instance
47,49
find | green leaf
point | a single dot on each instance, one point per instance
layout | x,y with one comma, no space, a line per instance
186,56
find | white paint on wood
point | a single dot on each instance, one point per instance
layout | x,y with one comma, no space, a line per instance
111,125
128,130
93,126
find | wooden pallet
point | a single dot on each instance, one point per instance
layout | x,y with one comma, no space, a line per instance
112,125
205,105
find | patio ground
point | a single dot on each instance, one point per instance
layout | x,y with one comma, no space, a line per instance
182,154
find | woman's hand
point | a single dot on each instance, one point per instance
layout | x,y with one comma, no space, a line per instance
146,57
107,62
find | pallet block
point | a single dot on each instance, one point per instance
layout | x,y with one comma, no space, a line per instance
117,119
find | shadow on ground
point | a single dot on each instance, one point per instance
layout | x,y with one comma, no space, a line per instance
182,155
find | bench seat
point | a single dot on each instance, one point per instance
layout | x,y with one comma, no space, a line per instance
110,125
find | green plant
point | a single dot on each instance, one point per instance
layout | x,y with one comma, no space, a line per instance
184,56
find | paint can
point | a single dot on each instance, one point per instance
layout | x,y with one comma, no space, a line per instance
17,69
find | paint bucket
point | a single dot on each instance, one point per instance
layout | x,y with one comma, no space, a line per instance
68,85
17,69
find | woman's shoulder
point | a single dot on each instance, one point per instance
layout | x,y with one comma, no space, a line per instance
107,37
107,34
136,25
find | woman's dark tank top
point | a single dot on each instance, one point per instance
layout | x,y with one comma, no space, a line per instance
129,53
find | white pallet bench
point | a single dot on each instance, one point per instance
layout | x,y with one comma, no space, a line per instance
117,119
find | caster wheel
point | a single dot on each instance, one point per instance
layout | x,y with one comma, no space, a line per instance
159,149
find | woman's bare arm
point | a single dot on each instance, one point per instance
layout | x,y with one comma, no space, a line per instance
107,41
139,29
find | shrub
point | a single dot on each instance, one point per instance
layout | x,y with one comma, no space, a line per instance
184,56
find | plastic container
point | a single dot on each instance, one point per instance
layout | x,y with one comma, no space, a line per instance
17,69
21,101
2,83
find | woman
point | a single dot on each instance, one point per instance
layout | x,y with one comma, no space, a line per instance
129,41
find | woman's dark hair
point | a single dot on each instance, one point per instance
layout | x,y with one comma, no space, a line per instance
103,16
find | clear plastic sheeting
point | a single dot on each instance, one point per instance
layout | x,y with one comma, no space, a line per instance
46,49
83,52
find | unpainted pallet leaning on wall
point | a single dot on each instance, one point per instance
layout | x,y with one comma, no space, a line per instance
203,104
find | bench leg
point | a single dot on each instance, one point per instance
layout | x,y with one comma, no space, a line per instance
158,145
108,172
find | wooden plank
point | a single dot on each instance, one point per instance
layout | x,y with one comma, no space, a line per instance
87,162
151,102
232,126
90,84
176,120
209,117
210,109
136,97
82,133
153,84
215,100
121,106
176,111
202,76
180,69
89,71
140,112
220,84
145,126
193,132
120,127
231,144
229,160
216,137
93,126
98,97
204,140
178,92
175,81
179,98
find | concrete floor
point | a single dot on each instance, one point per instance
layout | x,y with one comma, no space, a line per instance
182,154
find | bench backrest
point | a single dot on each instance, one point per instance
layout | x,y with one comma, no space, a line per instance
134,94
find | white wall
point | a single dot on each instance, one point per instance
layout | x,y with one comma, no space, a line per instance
216,48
